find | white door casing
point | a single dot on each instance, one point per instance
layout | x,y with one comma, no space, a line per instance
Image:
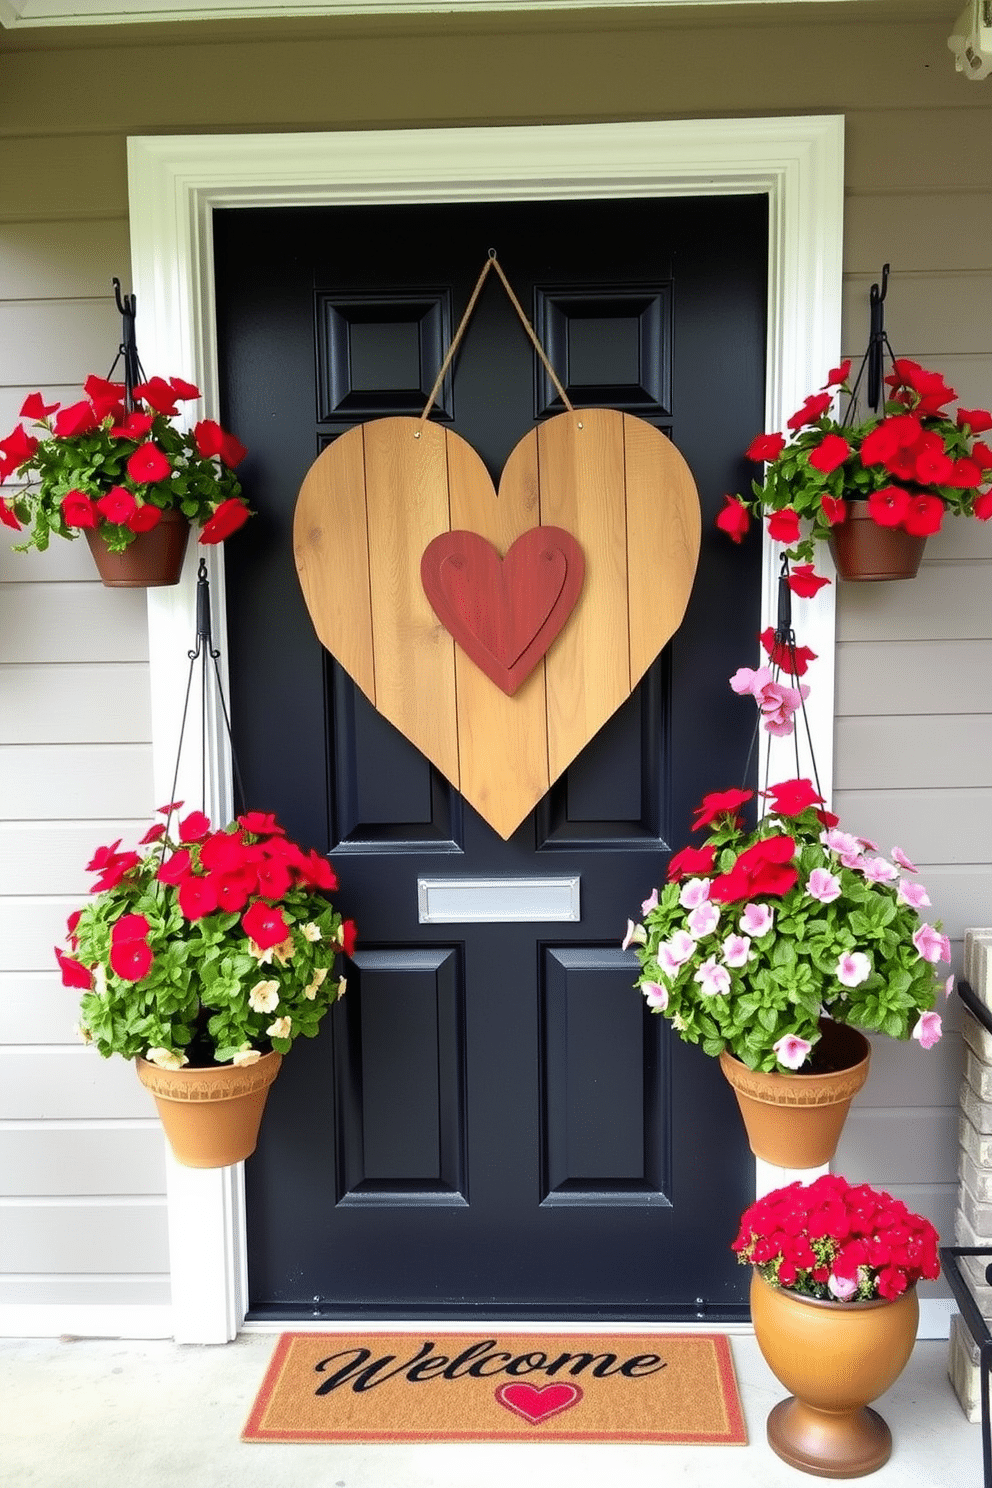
174,184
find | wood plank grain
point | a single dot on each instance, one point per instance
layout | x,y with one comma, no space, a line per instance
330,545
406,495
505,781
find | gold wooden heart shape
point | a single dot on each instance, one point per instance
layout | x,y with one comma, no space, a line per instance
375,499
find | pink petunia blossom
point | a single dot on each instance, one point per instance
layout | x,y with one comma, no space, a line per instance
636,935
791,1051
655,995
703,920
841,1287
904,862
714,979
823,885
779,706
674,953
736,950
878,870
694,891
748,681
915,895
928,1030
844,844
650,903
931,945
853,968
756,920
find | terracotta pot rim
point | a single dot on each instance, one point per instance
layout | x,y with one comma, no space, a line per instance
208,1083
828,1303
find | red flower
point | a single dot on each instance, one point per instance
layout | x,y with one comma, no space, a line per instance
134,426
99,390
967,474
815,405
144,518
264,925
924,515
184,391
983,506
934,467
832,451
7,516
18,448
975,420
734,519
175,868
197,897
232,451
765,447
982,455
208,437
35,407
792,796
793,661
316,872
153,834
223,852
74,973
116,871
130,927
766,868
834,508
881,443
157,392
840,374
804,582
148,463
102,857
194,827
349,937
692,860
233,890
229,516
117,505
261,824
717,803
78,418
273,879
888,506
131,959
783,526
79,510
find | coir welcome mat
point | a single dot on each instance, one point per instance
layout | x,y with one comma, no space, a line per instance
464,1387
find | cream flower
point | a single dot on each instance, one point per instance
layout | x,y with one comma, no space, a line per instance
100,979
310,932
247,1055
342,986
316,981
283,952
166,1059
280,1028
264,997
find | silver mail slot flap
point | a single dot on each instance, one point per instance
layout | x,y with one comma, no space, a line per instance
458,901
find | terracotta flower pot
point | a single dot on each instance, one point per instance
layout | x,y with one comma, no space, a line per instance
211,1116
795,1120
865,552
835,1357
152,561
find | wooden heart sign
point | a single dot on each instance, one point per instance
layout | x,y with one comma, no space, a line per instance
376,499
504,613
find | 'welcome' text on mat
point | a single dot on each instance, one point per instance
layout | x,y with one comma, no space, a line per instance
492,1386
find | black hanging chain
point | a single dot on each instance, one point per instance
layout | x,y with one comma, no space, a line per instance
134,373
872,363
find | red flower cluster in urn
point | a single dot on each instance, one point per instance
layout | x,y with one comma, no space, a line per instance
899,471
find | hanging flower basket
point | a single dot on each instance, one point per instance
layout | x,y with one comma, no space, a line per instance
154,560
864,551
211,1117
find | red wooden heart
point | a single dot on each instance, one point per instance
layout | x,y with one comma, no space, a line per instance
504,612
536,1403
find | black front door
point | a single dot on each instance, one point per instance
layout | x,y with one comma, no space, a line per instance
490,1118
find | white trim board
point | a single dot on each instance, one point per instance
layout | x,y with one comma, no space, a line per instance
174,184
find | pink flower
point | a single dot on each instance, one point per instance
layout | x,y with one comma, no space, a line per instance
853,968
904,862
655,995
636,935
915,895
713,978
841,1287
650,903
779,705
844,844
674,953
694,891
791,1051
931,945
703,920
756,920
928,1030
949,986
878,870
747,680
823,885
736,950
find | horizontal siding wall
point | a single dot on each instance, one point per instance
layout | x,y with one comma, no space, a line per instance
81,1165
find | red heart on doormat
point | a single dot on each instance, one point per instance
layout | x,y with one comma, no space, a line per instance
503,612
536,1403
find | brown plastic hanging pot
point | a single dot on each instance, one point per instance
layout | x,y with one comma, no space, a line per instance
211,1116
835,1357
154,560
794,1120
866,552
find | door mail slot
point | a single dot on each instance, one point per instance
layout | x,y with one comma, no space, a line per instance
454,901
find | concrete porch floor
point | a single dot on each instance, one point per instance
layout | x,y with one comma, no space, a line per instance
108,1413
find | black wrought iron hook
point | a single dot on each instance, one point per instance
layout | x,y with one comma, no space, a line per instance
876,338
128,349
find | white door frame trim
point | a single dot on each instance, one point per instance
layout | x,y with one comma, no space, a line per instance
174,183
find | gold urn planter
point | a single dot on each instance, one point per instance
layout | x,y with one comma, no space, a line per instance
211,1116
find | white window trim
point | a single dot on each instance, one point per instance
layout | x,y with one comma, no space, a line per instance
175,182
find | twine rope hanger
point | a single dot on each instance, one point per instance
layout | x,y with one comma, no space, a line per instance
491,263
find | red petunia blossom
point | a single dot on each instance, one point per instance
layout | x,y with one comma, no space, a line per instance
349,937
74,973
881,443
924,515
208,436
888,506
718,803
223,852
967,474
264,925
232,451
766,868
228,517
734,519
834,508
792,796
102,857
815,405
175,868
794,660
117,505
184,391
35,407
692,861
983,506
18,447
840,374
783,526
7,517
233,890
79,510
765,447
982,455
148,464
154,834
78,418
317,873
827,818
168,810
131,959
976,420
805,582
134,425
73,921
934,468
261,824
194,827
832,451
144,518
98,389
157,392
197,897
130,927
116,871
274,881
